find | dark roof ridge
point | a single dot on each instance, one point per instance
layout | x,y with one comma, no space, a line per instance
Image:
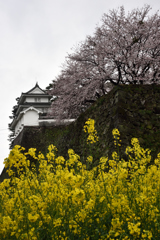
37,85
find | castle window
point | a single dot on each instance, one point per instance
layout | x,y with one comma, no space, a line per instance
37,99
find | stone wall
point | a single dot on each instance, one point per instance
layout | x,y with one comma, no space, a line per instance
133,109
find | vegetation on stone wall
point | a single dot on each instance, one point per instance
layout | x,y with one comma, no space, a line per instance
133,109
68,199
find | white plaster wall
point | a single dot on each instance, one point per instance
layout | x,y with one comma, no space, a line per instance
31,118
44,100
32,99
19,125
29,99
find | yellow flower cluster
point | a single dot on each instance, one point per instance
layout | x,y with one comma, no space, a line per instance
116,136
90,129
62,199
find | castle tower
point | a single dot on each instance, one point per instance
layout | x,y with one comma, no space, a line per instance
30,105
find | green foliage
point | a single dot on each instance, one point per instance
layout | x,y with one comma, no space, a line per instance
67,199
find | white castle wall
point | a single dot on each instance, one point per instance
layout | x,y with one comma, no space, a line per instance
28,118
31,118
36,99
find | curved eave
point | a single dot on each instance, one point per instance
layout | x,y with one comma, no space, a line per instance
36,86
33,104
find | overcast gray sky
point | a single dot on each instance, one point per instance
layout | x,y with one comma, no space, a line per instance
35,36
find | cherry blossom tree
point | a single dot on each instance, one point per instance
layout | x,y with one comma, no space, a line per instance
125,49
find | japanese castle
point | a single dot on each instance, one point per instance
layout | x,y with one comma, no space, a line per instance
32,110
31,106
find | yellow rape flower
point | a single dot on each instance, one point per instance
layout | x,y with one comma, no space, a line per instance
89,159
134,228
33,217
66,199
90,129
